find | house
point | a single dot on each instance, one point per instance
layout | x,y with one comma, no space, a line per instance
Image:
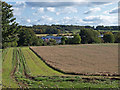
69,36
101,36
57,38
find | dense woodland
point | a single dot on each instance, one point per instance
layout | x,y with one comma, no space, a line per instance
56,29
15,35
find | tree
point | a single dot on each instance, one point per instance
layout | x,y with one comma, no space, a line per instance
10,28
52,42
108,37
76,39
27,37
117,37
63,40
89,36
96,38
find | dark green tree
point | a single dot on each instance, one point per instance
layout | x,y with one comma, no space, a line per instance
117,37
89,36
10,28
27,37
108,37
63,40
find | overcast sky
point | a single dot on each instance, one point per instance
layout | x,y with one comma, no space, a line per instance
66,13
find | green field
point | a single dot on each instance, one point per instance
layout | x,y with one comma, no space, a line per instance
41,35
7,68
23,68
0,68
37,66
108,30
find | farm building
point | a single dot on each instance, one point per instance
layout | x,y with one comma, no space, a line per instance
69,36
101,36
57,38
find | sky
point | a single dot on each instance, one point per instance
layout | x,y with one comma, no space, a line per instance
69,12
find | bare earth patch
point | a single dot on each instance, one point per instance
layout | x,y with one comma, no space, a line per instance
89,59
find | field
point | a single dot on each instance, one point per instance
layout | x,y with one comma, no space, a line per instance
108,31
37,66
41,35
81,59
22,68
0,68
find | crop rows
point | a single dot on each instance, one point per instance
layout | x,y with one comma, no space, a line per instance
7,80
36,65
0,68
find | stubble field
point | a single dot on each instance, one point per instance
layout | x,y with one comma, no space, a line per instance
89,59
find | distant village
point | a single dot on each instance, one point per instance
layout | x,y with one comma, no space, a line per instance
58,38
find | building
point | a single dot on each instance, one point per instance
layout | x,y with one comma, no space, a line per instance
69,36
101,36
57,38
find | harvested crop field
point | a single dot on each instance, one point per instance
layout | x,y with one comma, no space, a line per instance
81,59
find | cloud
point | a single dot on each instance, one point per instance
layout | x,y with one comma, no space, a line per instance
72,0
108,4
24,21
18,7
92,10
17,11
28,20
113,11
90,20
71,20
51,9
93,20
63,4
67,10
33,8
49,4
20,4
40,10
55,0
101,19
67,18
46,18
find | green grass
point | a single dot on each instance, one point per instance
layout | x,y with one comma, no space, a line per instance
75,84
108,30
65,82
63,34
7,80
36,65
0,68
75,30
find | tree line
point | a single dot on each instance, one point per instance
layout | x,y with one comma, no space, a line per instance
55,29
90,36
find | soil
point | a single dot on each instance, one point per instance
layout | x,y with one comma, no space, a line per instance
87,58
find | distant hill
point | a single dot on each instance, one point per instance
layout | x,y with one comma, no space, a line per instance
56,29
